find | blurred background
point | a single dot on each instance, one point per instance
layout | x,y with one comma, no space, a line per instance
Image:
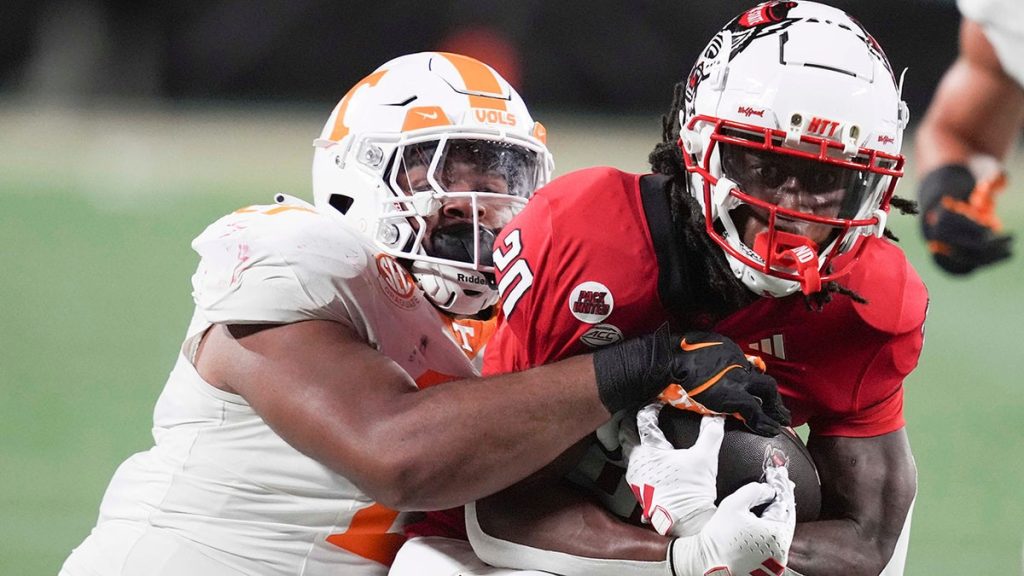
126,127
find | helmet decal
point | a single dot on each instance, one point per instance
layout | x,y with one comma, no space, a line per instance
340,129
762,15
481,83
760,21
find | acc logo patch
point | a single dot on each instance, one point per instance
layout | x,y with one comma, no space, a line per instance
601,335
591,302
396,282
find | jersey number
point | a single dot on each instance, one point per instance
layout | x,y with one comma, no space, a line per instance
515,271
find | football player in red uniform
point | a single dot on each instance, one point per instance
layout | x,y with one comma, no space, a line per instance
764,220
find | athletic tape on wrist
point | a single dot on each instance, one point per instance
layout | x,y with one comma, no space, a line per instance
620,369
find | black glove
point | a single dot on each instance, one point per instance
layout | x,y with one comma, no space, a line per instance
711,369
959,220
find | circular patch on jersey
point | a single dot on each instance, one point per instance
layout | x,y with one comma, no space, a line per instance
396,282
591,302
601,335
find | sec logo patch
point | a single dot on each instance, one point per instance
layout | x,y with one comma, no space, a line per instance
591,302
396,282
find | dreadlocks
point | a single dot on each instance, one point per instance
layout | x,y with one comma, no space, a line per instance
724,292
667,159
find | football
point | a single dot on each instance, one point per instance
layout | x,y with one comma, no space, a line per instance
741,459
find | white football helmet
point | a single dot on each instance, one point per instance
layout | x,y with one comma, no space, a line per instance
791,133
430,156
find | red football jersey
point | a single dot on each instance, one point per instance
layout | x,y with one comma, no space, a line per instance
579,268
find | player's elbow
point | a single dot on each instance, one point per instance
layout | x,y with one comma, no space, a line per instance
880,537
404,484
871,562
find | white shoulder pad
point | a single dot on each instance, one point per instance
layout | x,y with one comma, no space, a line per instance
279,264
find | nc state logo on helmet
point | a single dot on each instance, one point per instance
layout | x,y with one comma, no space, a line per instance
429,157
791,131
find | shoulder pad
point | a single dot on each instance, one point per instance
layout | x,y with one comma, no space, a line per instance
275,264
583,180
897,297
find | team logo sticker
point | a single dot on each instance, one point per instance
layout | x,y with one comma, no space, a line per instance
591,302
601,335
396,282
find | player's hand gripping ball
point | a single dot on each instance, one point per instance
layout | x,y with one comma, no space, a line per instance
741,458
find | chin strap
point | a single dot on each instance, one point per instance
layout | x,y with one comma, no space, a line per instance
791,252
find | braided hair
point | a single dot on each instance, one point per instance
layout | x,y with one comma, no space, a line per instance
688,218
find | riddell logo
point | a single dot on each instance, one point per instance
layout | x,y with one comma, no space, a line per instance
886,139
472,279
748,112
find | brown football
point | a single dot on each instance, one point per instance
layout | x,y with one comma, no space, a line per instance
741,459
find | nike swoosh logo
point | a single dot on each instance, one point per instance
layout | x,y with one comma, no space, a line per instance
713,380
687,347
428,115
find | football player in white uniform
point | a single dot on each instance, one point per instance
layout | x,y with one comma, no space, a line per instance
310,404
972,124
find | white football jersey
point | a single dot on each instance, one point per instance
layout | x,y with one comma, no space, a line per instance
219,479
1003,22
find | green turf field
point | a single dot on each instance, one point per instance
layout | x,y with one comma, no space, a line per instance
97,214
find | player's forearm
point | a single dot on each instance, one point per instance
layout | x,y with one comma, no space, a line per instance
520,421
836,547
339,401
461,441
939,144
977,108
558,518
868,487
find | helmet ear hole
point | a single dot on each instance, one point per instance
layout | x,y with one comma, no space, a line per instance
341,202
